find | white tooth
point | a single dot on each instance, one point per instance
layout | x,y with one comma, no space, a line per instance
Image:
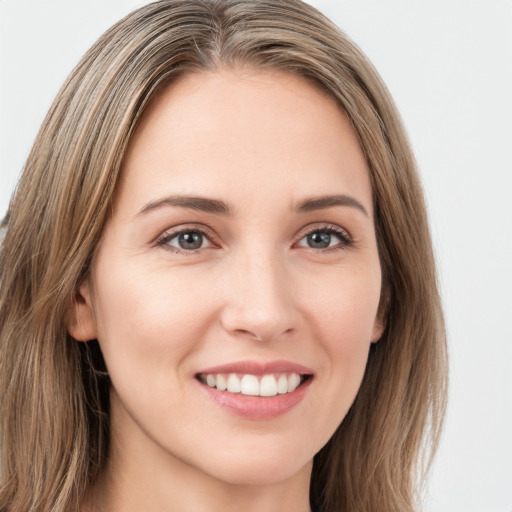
293,382
233,384
221,382
210,380
268,386
282,385
250,385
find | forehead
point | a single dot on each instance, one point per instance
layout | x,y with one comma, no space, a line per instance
218,133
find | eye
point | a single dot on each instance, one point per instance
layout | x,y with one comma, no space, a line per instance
186,240
328,237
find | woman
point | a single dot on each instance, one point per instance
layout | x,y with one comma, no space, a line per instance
174,337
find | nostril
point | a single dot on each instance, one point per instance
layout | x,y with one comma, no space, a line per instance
249,334
268,334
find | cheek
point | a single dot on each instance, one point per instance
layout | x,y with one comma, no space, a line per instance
342,313
344,304
148,319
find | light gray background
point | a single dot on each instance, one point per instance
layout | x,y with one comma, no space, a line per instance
448,65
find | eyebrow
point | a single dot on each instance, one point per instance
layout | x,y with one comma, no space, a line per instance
203,204
219,207
324,202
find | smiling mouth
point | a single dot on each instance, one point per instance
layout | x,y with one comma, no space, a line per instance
267,385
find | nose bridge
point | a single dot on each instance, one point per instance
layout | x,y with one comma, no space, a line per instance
259,300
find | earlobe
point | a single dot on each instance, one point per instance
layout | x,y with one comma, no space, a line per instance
80,321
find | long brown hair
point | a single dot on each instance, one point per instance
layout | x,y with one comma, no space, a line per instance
54,411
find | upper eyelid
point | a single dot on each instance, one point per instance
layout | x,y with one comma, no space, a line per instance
170,233
311,228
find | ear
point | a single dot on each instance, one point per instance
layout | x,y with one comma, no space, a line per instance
80,321
378,329
380,322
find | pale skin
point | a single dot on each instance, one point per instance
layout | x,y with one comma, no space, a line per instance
275,275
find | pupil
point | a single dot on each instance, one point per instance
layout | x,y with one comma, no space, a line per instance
190,240
319,240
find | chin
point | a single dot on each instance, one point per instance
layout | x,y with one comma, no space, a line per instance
259,466
260,473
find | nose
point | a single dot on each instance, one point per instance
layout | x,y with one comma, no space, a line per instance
259,302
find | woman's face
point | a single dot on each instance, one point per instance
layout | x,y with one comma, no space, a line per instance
241,252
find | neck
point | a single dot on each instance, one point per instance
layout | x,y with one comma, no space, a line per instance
139,475
181,488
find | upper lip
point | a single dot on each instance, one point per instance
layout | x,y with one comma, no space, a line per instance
258,368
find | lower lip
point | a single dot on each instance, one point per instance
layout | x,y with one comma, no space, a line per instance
257,407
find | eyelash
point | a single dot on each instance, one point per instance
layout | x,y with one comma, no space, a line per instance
166,237
330,229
